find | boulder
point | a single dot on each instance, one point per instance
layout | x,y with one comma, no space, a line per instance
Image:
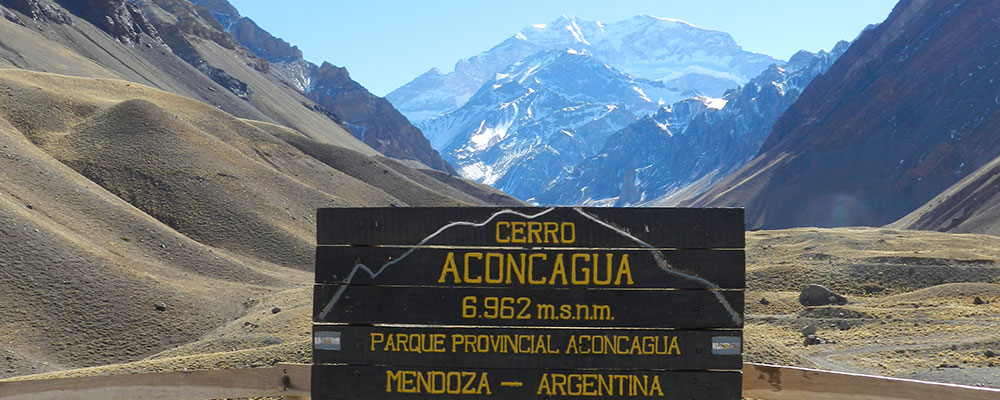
816,295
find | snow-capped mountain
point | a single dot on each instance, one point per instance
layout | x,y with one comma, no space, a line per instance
693,142
539,115
680,55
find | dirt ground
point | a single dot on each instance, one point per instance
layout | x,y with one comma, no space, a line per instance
911,313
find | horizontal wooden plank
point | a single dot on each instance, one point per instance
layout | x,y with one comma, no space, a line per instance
280,380
770,382
527,348
348,382
680,309
691,228
637,268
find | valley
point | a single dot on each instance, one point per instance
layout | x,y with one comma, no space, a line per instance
162,162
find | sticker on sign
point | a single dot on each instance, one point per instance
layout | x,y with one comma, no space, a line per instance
326,341
725,345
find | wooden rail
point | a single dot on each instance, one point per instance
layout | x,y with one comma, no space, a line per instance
765,382
290,380
770,382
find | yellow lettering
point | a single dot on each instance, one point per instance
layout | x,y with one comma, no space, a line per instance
624,271
517,232
674,347
499,258
636,346
484,384
543,385
597,279
559,384
478,256
567,227
514,268
376,338
585,272
456,340
655,388
588,385
455,388
531,266
391,377
648,345
501,239
425,383
390,345
551,232
449,266
571,347
467,387
407,383
557,270
534,232
571,388
439,343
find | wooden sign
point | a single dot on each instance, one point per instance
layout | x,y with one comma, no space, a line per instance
528,303
356,382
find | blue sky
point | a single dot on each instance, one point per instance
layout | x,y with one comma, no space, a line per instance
385,44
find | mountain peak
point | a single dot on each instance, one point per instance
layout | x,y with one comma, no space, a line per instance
665,21
675,53
330,71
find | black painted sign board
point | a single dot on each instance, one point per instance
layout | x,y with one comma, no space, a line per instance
546,303
473,347
350,382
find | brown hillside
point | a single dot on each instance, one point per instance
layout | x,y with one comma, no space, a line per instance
115,197
910,109
185,57
970,206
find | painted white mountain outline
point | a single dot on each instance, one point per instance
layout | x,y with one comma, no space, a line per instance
660,261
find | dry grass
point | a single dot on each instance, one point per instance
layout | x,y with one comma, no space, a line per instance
115,197
911,294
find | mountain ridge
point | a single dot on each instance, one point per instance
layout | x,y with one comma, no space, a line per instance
370,118
433,93
694,141
898,142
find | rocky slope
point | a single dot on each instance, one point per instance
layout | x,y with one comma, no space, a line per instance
370,118
691,143
970,206
537,117
909,110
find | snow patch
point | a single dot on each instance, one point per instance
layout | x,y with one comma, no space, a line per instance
487,136
574,29
641,94
664,127
676,21
714,103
